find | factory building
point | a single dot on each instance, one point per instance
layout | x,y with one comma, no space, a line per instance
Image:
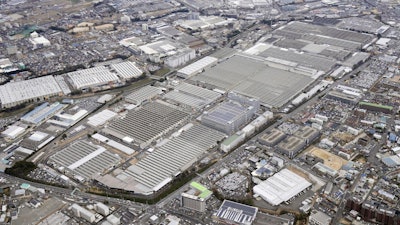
101,118
13,131
197,67
102,209
180,58
68,118
195,198
42,112
235,213
249,76
147,124
228,117
143,94
191,96
83,160
126,70
272,137
33,90
83,213
281,187
167,161
376,107
36,140
291,146
232,141
92,78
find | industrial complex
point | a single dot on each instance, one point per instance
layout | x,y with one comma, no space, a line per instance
189,112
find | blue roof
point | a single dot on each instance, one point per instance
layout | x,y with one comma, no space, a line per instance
392,137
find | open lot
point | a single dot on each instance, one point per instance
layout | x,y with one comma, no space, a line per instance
333,161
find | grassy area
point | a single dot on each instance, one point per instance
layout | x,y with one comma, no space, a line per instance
14,112
21,169
161,72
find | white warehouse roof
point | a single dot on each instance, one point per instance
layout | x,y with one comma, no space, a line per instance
281,187
127,70
92,77
197,66
22,91
101,118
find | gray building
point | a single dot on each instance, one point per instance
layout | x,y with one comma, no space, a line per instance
228,117
291,146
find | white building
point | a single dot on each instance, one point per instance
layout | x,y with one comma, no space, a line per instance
127,70
38,41
102,209
281,187
180,58
197,67
319,218
92,77
38,89
83,213
13,132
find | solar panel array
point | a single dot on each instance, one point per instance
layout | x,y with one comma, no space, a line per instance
236,212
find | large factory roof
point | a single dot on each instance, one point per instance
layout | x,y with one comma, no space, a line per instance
92,77
101,118
142,94
147,123
191,95
157,169
301,28
85,159
281,187
127,70
158,47
21,91
253,78
318,62
197,66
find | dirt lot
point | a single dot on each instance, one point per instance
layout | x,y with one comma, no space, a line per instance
333,161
